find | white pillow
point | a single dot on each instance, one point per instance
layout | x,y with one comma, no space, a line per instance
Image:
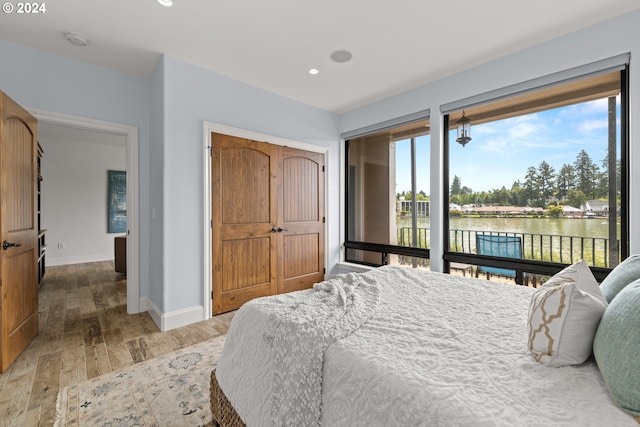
563,317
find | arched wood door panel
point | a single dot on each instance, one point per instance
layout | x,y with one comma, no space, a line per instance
244,209
18,230
268,220
303,219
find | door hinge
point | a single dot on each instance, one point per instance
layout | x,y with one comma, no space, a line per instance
211,294
210,149
324,271
210,223
324,219
322,168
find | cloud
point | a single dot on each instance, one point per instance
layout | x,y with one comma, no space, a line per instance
501,151
591,125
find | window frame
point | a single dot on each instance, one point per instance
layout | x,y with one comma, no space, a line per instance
383,249
534,266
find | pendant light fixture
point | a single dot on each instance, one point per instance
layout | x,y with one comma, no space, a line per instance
464,130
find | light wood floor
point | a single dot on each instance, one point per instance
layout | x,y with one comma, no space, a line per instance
85,332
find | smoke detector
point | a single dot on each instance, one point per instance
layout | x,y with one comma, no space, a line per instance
341,56
76,39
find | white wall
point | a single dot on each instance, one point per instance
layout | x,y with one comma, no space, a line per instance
193,95
74,199
43,81
155,159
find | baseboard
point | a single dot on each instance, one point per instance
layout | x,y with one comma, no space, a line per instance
349,267
186,316
52,262
156,314
174,319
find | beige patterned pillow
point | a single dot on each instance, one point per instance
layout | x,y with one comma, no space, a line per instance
563,317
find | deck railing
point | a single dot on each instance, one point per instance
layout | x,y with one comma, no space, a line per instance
542,247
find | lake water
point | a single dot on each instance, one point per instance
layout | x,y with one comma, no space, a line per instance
578,227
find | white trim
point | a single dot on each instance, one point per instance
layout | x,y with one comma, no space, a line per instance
206,227
144,304
154,312
183,317
343,207
387,124
208,128
350,267
133,191
52,262
174,319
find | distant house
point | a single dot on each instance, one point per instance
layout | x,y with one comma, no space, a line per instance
571,212
502,210
596,208
532,211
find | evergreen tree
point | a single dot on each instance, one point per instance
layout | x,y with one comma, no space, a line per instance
530,188
603,185
455,186
546,180
565,181
586,174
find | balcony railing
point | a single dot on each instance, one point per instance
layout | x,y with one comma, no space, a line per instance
541,247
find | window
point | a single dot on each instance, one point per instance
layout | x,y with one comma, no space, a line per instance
547,168
387,195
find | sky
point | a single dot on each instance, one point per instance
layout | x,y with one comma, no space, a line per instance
501,152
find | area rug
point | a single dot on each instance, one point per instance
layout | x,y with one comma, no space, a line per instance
170,390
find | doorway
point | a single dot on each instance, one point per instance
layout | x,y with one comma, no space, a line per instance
284,144
130,134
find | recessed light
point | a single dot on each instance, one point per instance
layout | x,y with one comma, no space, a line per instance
76,39
166,3
341,56
314,71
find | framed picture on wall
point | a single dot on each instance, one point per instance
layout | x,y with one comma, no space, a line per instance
117,202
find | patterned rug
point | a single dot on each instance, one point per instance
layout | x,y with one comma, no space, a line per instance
170,390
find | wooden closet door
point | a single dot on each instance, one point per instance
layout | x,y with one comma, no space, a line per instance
18,231
244,174
301,217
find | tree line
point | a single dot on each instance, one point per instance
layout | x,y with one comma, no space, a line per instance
573,184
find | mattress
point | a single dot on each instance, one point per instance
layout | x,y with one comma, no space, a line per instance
438,350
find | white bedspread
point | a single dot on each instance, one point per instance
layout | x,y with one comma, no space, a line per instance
440,350
296,331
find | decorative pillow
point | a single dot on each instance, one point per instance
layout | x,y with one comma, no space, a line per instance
564,315
616,348
624,273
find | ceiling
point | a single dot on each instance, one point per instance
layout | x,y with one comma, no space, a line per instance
396,45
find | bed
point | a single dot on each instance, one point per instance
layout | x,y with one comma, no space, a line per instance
397,347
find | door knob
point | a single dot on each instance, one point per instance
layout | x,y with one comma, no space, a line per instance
280,229
6,245
273,229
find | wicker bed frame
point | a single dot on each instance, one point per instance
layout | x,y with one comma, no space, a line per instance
223,413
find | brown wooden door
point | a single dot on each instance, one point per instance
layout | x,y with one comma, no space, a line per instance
18,231
301,214
244,213
268,220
